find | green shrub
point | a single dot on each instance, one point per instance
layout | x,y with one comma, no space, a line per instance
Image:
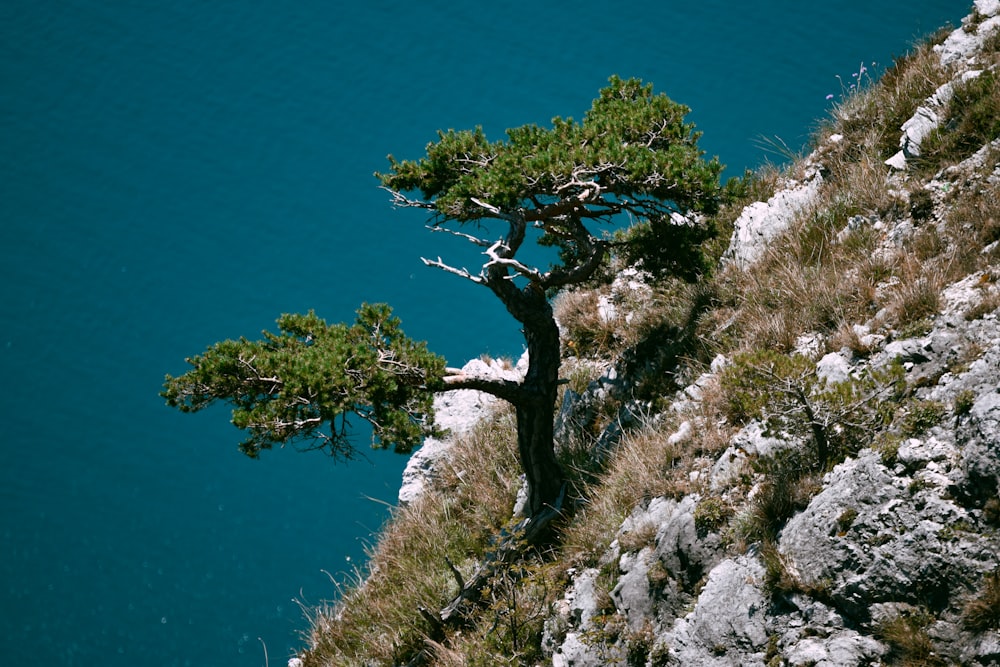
920,416
964,400
710,513
785,392
887,447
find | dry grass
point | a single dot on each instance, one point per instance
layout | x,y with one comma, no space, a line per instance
909,644
982,613
971,119
378,619
834,268
586,332
647,464
869,120
811,282
639,470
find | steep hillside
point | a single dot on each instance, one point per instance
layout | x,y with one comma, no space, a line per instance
795,461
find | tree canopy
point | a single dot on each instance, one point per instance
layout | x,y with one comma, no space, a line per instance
306,382
632,159
632,154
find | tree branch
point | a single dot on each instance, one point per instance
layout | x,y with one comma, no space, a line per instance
402,201
496,260
464,273
475,240
508,390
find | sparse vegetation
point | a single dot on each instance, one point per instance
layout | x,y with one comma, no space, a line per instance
972,119
788,396
409,567
907,638
983,612
921,416
711,513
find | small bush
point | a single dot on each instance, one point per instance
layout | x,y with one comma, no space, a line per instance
921,205
750,382
711,513
509,631
887,447
964,401
920,416
785,392
983,612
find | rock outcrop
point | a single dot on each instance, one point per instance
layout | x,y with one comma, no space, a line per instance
455,413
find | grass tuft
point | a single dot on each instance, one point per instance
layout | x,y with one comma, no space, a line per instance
982,613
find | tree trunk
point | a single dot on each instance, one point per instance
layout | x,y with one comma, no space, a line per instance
535,408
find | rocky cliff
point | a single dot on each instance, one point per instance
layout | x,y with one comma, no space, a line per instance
897,546
795,463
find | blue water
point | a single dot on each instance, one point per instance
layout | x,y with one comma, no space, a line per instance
176,173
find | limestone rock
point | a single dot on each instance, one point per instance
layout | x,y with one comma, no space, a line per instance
728,626
834,367
965,42
566,633
873,536
762,222
456,412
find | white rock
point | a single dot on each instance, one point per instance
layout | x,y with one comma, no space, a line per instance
897,161
457,412
606,310
761,222
924,121
718,363
988,7
964,294
809,345
963,45
730,612
683,433
833,368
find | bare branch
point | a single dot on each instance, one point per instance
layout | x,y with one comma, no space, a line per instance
496,260
475,240
274,380
464,273
489,207
401,201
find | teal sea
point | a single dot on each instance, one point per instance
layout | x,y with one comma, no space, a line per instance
172,174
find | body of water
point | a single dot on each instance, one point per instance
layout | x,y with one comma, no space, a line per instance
172,174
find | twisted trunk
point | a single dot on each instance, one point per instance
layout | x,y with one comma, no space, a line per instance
533,398
534,409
